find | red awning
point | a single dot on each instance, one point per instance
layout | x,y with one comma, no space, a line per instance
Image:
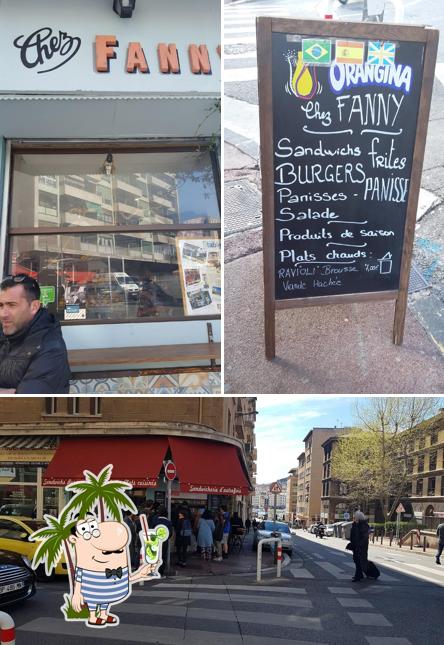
136,460
205,466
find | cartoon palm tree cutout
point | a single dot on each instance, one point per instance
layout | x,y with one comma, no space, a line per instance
53,542
98,490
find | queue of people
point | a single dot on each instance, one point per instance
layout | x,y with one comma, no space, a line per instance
191,530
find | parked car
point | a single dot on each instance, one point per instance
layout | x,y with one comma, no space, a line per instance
127,283
346,529
17,579
266,528
14,536
329,531
311,528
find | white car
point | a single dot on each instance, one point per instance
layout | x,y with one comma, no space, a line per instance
266,528
127,283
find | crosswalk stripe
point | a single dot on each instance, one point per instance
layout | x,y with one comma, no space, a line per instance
369,619
387,577
355,602
223,597
248,40
280,620
435,572
240,75
261,640
124,632
339,590
248,126
335,571
261,588
300,572
249,54
386,640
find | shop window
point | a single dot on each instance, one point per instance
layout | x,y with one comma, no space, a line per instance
140,243
18,500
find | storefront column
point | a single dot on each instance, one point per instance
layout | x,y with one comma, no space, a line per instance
39,498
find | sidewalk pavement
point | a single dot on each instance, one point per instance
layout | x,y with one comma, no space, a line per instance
341,349
243,563
340,543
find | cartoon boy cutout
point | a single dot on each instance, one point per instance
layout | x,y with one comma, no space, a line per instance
103,571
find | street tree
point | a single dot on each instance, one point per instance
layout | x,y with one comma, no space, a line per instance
372,458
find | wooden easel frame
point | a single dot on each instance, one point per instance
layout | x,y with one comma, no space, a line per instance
265,27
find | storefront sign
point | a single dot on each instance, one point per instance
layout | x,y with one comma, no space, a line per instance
136,483
200,275
214,490
26,456
53,46
47,295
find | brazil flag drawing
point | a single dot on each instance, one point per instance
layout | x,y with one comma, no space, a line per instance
316,51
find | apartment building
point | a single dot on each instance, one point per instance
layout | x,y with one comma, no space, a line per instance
310,474
335,505
292,495
426,466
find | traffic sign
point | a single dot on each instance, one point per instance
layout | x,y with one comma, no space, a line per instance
346,516
400,508
275,488
170,470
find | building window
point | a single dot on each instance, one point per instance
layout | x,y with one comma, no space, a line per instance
410,465
51,405
433,460
419,486
410,446
139,243
442,485
73,405
431,486
421,443
434,437
421,464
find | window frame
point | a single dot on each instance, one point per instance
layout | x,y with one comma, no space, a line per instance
117,147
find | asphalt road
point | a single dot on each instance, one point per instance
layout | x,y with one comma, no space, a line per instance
314,602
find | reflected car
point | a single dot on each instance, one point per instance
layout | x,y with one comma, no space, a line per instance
265,530
14,536
17,579
329,530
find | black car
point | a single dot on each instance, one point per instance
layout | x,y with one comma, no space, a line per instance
17,579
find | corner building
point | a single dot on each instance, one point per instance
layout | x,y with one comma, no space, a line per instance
48,443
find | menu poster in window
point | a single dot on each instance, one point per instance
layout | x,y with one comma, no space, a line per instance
200,275
344,112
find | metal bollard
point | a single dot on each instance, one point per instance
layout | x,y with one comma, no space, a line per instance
411,542
7,629
278,543
425,544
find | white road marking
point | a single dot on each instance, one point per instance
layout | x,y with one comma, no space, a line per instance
355,602
251,588
346,590
335,571
387,640
240,74
242,118
300,572
374,620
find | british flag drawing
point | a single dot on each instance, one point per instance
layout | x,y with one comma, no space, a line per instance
381,53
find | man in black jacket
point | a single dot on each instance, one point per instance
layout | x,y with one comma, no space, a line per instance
33,358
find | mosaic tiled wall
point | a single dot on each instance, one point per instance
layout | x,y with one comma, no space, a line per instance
190,383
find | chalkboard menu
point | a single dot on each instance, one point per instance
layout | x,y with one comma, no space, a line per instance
343,138
342,108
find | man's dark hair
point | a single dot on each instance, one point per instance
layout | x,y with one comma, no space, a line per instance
30,286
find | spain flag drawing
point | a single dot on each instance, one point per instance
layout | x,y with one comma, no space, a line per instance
349,51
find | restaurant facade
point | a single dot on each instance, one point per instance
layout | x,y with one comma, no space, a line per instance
110,184
47,443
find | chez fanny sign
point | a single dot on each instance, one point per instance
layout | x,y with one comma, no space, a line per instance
46,50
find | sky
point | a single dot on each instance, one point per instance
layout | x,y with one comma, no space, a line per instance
282,423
